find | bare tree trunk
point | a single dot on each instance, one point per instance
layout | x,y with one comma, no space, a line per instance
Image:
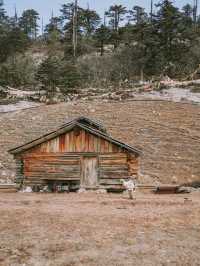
195,11
74,38
151,10
142,74
102,48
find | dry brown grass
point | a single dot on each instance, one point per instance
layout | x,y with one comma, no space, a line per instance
166,132
97,230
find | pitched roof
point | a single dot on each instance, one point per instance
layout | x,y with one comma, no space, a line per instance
87,124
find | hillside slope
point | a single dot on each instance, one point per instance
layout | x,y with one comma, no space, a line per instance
167,133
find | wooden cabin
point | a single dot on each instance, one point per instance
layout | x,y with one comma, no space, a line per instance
80,154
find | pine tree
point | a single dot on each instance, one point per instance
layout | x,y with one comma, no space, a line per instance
67,15
102,36
167,22
3,16
116,13
29,23
53,35
56,72
90,21
138,14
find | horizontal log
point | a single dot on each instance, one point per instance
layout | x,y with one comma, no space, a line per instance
113,171
50,175
60,178
110,182
112,156
62,168
114,168
113,176
52,159
114,187
112,162
35,182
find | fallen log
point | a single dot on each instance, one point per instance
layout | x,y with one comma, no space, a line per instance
8,188
167,189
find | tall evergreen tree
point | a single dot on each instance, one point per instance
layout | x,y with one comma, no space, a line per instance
55,24
167,22
116,13
67,15
102,36
55,72
139,15
90,21
3,16
29,23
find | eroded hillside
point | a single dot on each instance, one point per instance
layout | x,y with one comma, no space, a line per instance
167,133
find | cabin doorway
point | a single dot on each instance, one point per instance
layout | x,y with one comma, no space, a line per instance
89,172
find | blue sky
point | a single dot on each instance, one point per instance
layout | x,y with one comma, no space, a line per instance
45,7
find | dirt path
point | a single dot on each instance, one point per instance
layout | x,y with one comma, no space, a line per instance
19,106
98,230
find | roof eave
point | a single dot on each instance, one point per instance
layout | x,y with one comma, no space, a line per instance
67,128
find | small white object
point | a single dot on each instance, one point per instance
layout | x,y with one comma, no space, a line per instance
82,190
27,190
129,185
101,191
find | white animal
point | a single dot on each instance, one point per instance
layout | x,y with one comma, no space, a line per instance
129,186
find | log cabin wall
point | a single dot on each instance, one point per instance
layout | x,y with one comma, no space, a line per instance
60,159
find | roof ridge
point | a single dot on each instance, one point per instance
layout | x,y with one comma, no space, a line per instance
67,127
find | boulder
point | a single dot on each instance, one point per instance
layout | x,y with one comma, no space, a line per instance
186,190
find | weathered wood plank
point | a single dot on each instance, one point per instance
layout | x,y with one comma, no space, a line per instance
110,182
113,168
113,176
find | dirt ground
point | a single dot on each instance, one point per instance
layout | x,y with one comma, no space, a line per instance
96,229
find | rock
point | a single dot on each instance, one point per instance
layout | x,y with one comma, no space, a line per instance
3,92
186,190
101,191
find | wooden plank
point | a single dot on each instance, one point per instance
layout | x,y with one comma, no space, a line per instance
110,182
106,146
61,143
89,174
87,136
95,144
113,176
113,187
55,176
69,178
113,162
91,143
112,155
114,168
102,148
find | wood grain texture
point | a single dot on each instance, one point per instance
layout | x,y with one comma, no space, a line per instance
76,141
77,156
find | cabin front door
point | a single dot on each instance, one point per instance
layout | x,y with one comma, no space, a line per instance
89,172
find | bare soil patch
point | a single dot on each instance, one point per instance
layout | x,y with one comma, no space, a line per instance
92,229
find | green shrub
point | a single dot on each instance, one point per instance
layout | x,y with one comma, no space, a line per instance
56,72
18,71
